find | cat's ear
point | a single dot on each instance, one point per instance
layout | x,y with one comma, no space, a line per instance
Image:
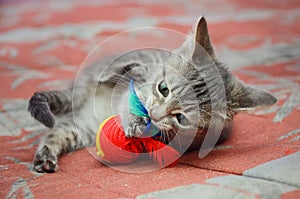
203,48
247,98
114,72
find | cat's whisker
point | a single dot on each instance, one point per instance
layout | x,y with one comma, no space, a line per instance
121,83
164,136
118,91
206,112
178,139
202,110
203,123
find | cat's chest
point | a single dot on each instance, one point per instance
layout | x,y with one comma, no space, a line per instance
101,102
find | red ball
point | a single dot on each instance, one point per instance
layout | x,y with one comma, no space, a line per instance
111,143
115,148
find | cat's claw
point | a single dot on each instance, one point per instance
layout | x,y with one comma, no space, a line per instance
135,131
44,161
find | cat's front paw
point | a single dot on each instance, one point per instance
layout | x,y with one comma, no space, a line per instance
40,110
45,161
137,128
136,131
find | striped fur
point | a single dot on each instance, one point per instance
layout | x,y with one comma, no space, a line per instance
193,77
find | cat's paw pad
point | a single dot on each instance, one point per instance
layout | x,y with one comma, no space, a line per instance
44,161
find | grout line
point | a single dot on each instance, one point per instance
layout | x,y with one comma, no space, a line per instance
216,170
239,174
270,180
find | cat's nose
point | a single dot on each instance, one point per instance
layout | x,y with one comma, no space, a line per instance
157,113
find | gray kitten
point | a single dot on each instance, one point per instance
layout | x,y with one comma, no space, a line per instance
183,92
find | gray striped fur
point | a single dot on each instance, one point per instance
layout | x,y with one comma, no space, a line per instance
186,108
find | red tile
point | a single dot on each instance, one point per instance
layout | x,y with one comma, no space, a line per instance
291,195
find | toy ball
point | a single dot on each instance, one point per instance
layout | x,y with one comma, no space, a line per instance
113,147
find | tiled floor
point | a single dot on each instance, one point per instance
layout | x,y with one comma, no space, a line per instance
43,43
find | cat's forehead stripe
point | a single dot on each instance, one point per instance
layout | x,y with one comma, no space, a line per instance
177,88
164,73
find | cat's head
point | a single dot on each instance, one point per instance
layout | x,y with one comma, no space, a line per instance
192,79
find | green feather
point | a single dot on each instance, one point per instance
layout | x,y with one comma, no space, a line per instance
136,107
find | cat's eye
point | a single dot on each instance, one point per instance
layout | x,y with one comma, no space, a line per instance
182,120
163,88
